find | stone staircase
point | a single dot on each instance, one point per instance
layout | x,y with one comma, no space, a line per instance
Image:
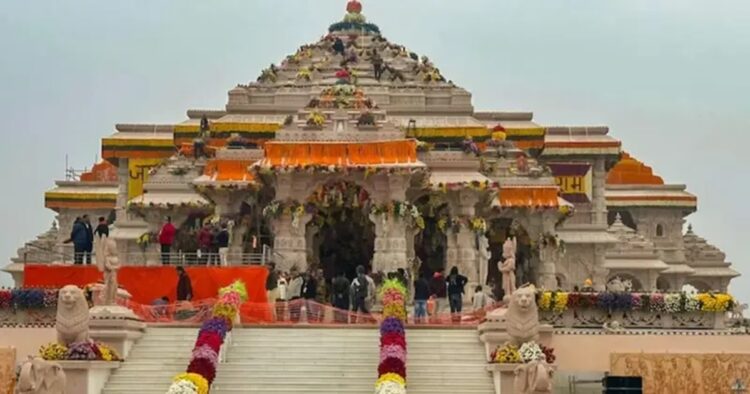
344,361
159,355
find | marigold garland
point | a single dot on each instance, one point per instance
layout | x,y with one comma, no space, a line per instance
392,366
201,384
204,360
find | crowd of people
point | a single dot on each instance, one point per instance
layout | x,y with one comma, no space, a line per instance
211,241
353,300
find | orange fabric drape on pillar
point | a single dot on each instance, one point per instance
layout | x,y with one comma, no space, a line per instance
146,284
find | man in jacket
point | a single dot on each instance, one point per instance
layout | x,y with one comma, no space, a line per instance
79,239
340,297
421,295
184,285
309,293
438,289
272,288
360,289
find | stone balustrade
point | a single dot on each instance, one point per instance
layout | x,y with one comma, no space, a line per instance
597,318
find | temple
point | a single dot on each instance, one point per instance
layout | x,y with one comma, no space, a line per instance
356,150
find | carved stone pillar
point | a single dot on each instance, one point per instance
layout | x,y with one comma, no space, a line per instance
599,203
549,256
600,272
390,244
289,242
461,250
312,244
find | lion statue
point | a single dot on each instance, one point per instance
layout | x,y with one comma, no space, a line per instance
72,316
41,377
534,377
522,317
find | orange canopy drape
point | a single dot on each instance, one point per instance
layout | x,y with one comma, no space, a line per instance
529,197
340,153
229,170
146,284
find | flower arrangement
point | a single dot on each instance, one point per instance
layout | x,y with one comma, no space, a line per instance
205,356
304,74
507,354
83,351
479,225
316,119
145,240
392,366
715,302
53,351
399,210
530,351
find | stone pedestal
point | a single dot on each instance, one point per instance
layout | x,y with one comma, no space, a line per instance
502,377
87,377
115,326
390,244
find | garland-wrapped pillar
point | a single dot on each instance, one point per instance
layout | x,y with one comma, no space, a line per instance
290,243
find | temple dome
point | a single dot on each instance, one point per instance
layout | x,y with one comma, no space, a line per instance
698,249
631,171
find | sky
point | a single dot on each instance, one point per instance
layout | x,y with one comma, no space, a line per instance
670,79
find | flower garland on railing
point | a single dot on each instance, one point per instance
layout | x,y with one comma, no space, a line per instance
560,301
399,210
392,366
204,359
31,298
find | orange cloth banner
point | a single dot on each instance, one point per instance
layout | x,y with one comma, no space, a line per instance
340,153
229,170
146,284
529,197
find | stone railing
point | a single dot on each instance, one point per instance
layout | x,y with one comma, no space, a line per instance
598,318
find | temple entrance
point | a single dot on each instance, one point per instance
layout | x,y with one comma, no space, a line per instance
498,231
344,235
431,243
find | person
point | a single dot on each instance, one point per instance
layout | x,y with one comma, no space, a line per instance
295,293
272,288
421,294
283,285
338,47
479,302
102,229
321,293
438,292
456,283
166,239
340,297
309,293
184,285
359,292
222,241
160,307
205,237
89,247
79,239
377,64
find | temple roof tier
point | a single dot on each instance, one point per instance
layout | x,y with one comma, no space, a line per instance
81,195
667,196
139,142
580,141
